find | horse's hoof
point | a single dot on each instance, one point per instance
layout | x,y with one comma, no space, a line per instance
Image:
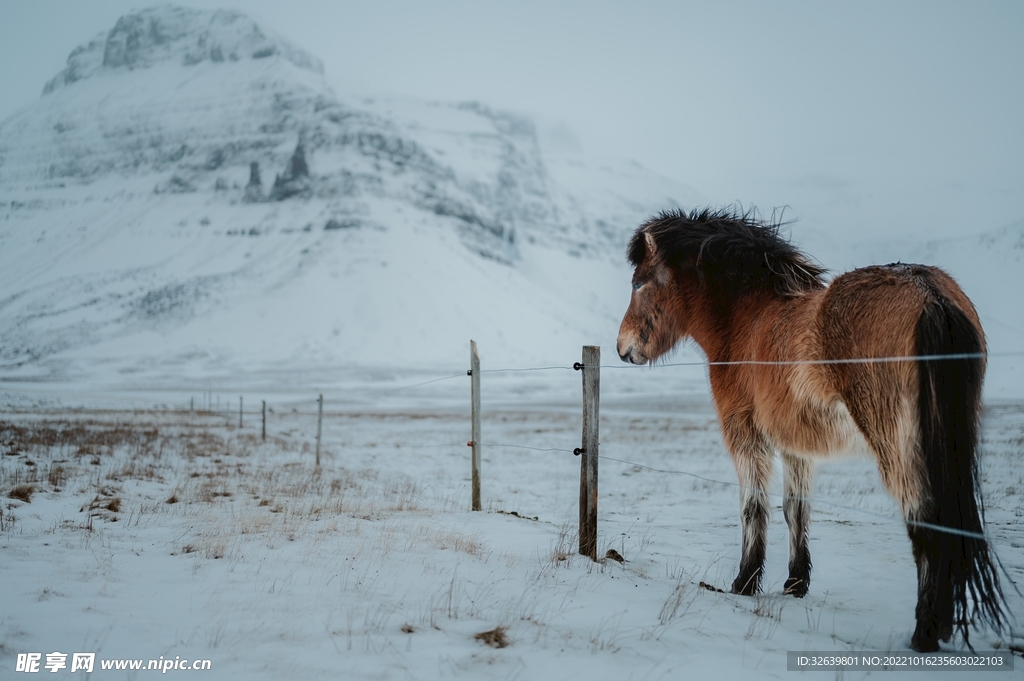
924,643
745,586
796,587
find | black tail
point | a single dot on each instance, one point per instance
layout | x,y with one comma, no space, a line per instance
957,579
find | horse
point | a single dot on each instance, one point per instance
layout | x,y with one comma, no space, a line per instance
888,358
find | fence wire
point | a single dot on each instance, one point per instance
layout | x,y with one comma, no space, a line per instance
726,483
660,365
813,500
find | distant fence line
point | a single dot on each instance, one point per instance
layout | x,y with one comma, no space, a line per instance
590,367
211,406
589,449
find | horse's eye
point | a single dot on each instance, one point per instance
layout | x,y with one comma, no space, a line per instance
637,285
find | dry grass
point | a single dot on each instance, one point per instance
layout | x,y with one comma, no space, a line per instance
496,638
450,539
111,462
58,475
766,616
564,545
674,605
22,493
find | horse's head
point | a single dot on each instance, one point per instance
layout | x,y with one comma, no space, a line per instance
692,269
656,318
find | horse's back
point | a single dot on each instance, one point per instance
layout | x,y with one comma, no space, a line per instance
874,311
871,312
816,408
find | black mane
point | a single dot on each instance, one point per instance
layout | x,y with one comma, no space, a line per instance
734,252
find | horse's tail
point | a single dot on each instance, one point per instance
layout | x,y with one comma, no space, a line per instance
958,581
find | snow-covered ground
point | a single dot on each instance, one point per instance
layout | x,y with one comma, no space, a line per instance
165,532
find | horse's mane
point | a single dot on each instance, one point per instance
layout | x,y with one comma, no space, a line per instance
735,252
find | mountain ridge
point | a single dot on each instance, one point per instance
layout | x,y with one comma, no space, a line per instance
159,34
167,206
179,216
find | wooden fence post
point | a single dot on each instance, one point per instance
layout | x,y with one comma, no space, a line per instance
264,420
239,411
474,373
319,423
589,451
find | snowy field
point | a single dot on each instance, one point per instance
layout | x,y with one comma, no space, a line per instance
146,530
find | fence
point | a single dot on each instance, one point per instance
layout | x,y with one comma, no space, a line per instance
589,449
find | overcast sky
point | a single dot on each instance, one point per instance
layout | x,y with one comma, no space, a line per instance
878,117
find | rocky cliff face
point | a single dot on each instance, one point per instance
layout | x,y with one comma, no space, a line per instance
127,188
176,34
191,97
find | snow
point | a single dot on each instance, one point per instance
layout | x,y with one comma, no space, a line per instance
138,277
268,567
131,252
129,241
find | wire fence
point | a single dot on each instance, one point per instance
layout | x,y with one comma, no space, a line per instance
702,363
207,403
724,483
744,362
212,404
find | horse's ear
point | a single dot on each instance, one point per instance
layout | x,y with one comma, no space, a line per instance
652,248
661,273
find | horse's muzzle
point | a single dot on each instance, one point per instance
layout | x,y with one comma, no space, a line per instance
630,354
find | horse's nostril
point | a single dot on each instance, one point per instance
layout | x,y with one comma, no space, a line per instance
624,356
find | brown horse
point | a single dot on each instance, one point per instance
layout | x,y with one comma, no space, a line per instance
779,341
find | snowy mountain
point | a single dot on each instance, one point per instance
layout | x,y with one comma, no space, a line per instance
188,195
189,201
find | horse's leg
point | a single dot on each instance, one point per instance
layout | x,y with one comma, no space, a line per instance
892,435
753,458
796,506
934,612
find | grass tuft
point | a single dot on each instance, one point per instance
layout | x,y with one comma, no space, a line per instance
495,638
22,493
